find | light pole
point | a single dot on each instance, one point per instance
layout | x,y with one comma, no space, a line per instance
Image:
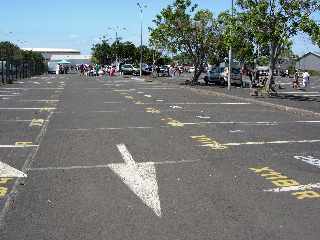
230,51
116,29
141,14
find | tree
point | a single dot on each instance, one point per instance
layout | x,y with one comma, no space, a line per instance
10,51
123,51
101,52
236,35
181,28
274,22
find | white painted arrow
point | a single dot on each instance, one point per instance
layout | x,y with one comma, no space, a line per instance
140,178
7,171
176,107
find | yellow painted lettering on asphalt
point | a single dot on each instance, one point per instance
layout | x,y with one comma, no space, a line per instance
175,123
3,191
23,144
128,97
306,194
272,175
152,110
260,170
46,109
285,183
5,180
209,142
36,123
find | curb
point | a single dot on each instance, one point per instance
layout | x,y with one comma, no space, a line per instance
285,108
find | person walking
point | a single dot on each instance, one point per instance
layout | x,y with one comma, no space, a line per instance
295,82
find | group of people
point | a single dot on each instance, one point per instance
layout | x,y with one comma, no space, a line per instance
62,69
305,80
96,70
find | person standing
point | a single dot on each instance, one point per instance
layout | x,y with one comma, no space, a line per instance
305,79
58,69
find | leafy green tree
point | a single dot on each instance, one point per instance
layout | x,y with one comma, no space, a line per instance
123,51
236,35
10,51
182,28
274,22
101,52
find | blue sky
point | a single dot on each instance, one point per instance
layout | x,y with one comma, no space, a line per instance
79,23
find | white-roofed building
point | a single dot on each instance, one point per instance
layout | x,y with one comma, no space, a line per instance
73,59
47,53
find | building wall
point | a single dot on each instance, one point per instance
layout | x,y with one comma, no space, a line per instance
47,55
309,62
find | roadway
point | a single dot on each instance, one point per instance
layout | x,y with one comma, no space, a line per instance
94,158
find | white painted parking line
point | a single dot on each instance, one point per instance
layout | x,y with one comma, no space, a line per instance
19,146
312,95
8,95
300,92
184,123
309,159
111,102
203,117
42,100
34,88
148,96
102,129
294,188
107,166
15,120
271,142
236,131
45,109
203,103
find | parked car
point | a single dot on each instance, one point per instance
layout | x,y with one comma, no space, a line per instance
128,69
191,69
146,70
163,71
219,75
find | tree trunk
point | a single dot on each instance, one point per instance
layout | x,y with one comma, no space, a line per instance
272,63
197,72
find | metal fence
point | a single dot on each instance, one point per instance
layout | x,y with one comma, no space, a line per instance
11,71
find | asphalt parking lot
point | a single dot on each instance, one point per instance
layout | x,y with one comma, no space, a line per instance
95,158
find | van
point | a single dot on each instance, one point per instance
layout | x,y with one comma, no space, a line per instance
52,66
219,75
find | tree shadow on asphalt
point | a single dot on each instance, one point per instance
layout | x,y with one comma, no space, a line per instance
296,98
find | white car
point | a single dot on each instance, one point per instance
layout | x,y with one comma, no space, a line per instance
191,70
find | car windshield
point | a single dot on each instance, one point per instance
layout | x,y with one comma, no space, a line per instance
235,70
127,66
